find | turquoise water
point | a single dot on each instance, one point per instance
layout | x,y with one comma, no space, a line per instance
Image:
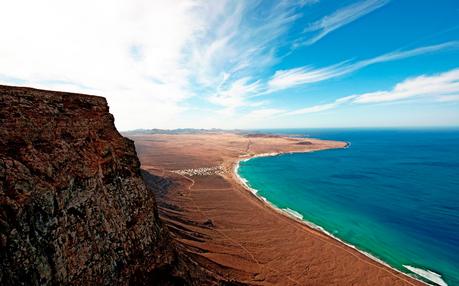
392,193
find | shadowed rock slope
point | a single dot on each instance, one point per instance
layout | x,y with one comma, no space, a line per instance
73,206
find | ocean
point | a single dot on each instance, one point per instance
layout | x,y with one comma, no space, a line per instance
393,194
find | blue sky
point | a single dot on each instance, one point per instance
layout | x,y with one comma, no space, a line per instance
243,64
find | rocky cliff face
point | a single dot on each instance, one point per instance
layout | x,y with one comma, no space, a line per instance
73,206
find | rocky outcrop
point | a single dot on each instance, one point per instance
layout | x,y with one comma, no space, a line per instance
73,206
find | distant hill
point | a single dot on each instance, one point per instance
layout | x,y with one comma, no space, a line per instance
183,131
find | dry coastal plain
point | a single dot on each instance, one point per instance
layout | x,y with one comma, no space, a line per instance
233,233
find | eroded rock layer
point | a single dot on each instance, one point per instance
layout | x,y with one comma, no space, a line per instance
73,206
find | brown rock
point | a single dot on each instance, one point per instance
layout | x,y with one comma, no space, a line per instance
73,206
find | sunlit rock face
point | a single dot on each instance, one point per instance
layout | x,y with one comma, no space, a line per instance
74,208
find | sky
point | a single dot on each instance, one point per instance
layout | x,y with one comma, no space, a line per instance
242,64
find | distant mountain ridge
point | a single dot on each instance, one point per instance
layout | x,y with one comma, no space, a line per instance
181,131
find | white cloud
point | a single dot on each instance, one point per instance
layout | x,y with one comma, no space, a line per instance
340,18
237,45
441,87
322,107
283,79
287,78
235,95
145,57
129,52
397,55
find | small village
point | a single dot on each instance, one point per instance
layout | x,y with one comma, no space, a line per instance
216,170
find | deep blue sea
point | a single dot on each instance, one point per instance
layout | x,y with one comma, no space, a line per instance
393,194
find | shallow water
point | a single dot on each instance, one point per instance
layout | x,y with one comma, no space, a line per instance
392,193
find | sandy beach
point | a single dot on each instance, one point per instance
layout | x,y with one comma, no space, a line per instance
222,225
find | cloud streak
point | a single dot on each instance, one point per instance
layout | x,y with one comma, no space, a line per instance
323,107
339,18
443,87
235,48
236,94
284,79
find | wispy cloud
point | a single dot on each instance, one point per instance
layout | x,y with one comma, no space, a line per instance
236,94
441,87
153,60
146,57
340,18
396,55
236,45
283,79
129,52
322,107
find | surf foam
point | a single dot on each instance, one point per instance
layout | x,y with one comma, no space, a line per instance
293,213
427,274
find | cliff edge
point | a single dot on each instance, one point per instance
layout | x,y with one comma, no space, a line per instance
73,206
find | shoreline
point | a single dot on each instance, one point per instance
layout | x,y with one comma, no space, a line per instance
298,218
219,221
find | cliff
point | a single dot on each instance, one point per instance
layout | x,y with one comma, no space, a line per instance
73,206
